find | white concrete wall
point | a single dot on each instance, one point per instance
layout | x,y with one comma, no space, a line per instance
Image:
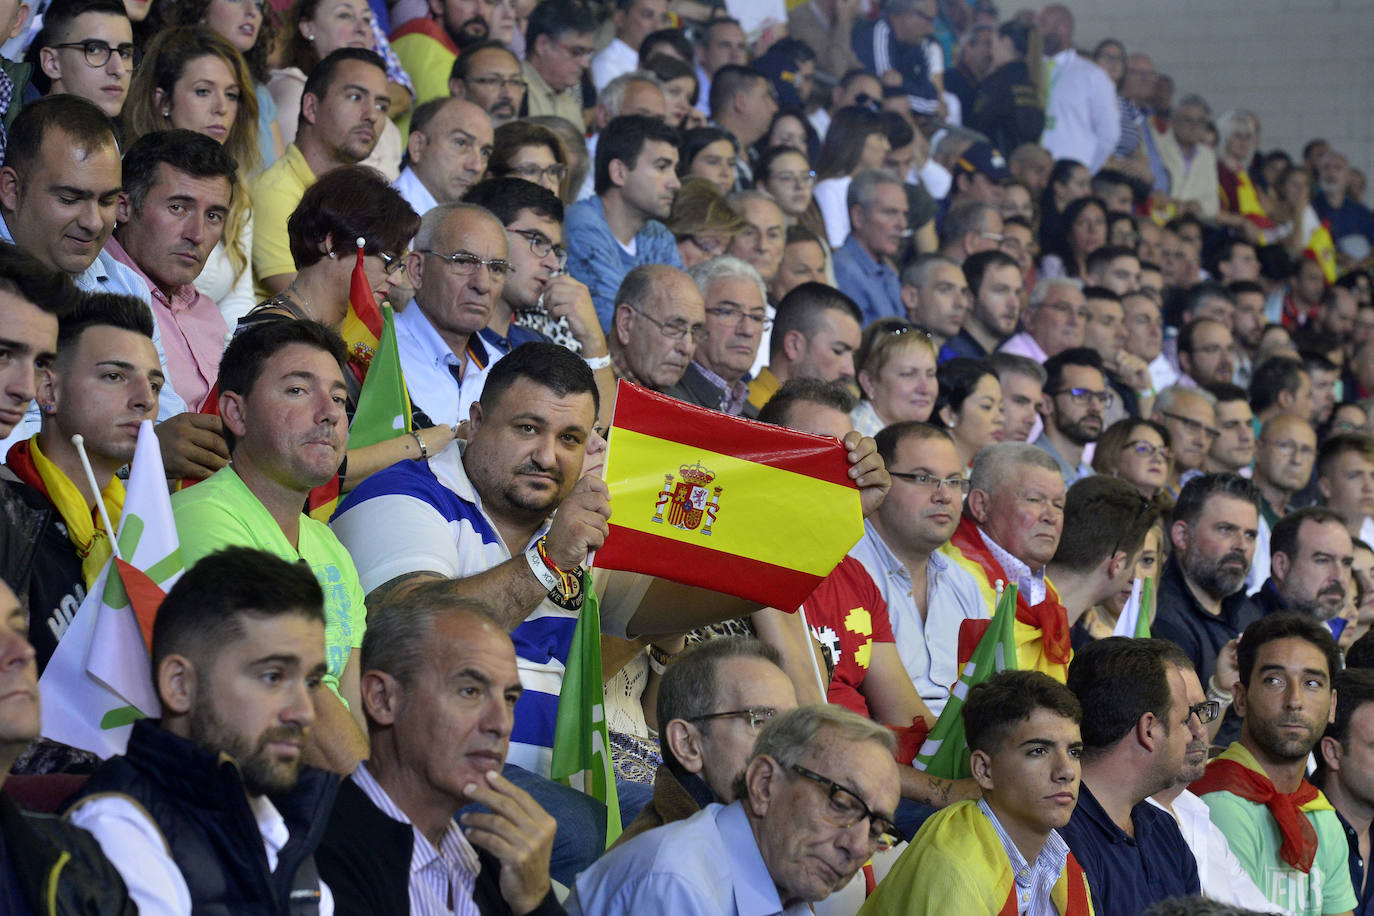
1306,67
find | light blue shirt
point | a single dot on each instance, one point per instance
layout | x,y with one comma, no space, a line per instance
598,259
874,285
707,865
426,360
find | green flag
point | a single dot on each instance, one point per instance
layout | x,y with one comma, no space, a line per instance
581,742
383,405
1147,601
945,752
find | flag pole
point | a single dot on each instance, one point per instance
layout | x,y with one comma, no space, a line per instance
815,665
80,442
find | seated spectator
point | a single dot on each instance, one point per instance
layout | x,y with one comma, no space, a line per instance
1031,164
878,217
32,298
702,222
681,91
238,656
1284,455
804,260
709,153
178,193
995,285
1127,374
900,39
722,41
1068,181
1241,206
426,46
897,372
969,228
936,297
1105,524
1137,451
815,335
827,27
392,843
901,547
1311,556
162,97
1145,335
969,403
554,67
1100,620
85,49
1022,730
785,173
856,141
711,703
488,75
619,229
1201,604
281,383
1023,386
343,103
634,20
1055,320
446,154
1345,478
814,774
1190,162
1006,105
1350,222
736,315
743,102
102,383
523,149
637,92
660,319
1010,529
1076,396
764,235
1138,730
318,29
1233,447
1084,231
1339,769
458,265
1115,267
1190,417
1284,831
979,174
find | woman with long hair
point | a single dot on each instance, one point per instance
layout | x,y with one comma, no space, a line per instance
680,88
856,140
193,78
1069,180
1085,231
785,173
710,153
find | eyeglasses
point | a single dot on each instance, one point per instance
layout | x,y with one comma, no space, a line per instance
1068,310
1291,448
391,262
846,809
97,52
903,327
496,81
731,315
465,263
994,237
1206,711
797,178
1193,426
541,245
555,173
576,51
1147,449
756,716
1081,396
931,482
675,329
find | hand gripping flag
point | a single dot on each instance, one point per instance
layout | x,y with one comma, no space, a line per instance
945,752
581,741
99,679
1134,620
733,505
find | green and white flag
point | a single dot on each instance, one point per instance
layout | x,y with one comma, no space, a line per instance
581,741
945,753
1134,620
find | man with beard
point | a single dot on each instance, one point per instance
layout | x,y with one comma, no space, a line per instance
428,46
1311,556
210,808
1205,353
994,287
1075,397
1219,871
1081,118
1284,831
488,75
1201,605
619,228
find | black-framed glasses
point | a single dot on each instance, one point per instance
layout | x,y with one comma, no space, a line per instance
675,329
1081,396
846,809
1206,711
391,262
1147,449
755,716
956,483
541,245
97,52
731,315
533,173
465,263
1193,426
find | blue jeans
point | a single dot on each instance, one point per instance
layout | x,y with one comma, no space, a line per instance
633,796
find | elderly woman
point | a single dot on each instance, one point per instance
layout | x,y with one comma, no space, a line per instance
896,363
703,223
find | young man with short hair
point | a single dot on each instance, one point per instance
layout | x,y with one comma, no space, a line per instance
1023,730
86,49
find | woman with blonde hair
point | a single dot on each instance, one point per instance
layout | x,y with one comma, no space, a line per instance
193,78
702,222
897,366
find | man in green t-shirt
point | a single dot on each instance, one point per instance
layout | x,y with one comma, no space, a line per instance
282,395
1281,827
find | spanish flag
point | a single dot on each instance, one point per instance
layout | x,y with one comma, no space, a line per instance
732,505
362,327
957,864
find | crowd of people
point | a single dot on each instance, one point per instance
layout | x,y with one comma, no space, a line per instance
1073,334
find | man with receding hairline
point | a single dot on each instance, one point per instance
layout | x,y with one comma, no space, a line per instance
447,151
659,320
815,334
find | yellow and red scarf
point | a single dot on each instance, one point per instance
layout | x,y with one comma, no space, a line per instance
1237,771
84,527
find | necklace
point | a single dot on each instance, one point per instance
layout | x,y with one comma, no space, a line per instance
305,303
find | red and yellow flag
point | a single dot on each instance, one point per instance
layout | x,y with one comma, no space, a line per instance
362,327
736,506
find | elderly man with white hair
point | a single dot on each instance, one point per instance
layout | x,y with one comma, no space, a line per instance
736,316
1055,320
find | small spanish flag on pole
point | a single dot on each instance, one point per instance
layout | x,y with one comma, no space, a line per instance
736,506
362,327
